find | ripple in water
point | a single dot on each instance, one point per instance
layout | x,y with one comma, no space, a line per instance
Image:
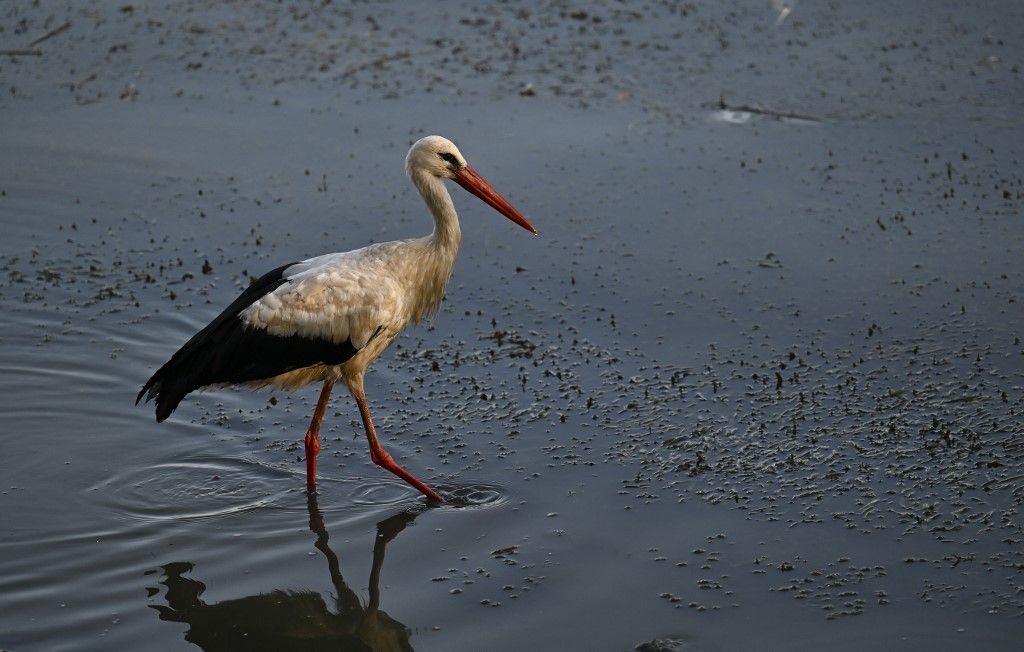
472,496
379,495
382,493
194,488
386,492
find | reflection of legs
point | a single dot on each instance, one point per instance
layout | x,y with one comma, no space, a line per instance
387,530
347,600
313,435
380,456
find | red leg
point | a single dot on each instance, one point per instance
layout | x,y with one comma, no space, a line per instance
313,435
380,456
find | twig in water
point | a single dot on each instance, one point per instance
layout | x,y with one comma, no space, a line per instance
53,32
375,63
761,110
85,80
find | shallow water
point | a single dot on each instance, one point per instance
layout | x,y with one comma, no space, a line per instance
759,384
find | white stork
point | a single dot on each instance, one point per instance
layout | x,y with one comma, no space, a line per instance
327,318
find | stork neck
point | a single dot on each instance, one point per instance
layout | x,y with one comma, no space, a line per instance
447,232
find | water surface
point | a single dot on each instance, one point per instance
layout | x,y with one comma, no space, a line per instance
758,384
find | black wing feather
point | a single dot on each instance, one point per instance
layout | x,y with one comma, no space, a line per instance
228,351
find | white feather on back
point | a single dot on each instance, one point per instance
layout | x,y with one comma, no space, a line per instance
336,297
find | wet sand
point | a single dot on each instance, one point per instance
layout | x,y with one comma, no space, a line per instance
758,385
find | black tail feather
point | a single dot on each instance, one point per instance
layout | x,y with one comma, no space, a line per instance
235,353
228,351
168,386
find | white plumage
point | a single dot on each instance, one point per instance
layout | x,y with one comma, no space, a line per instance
327,318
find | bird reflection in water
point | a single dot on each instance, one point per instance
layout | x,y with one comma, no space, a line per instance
291,620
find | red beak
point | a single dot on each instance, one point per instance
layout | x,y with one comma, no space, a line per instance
471,180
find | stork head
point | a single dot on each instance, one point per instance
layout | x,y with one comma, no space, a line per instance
435,155
440,158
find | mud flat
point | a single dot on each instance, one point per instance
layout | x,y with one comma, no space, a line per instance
759,384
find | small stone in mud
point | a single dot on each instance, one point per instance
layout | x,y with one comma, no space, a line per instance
659,645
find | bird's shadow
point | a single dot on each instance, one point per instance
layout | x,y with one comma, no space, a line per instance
291,620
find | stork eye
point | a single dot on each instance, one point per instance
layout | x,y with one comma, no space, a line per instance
448,156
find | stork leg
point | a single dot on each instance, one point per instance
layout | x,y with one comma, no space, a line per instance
313,435
380,456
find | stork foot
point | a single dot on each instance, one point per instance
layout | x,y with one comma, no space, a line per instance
383,459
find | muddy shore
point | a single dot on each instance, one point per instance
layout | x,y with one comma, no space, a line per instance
759,384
